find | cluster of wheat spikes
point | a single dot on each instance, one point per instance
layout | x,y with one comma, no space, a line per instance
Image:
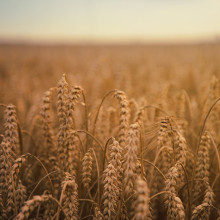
124,160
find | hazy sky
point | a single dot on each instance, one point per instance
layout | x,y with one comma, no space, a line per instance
109,20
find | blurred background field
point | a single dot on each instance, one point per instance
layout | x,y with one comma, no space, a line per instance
27,71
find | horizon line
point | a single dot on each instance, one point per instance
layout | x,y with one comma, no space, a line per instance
52,42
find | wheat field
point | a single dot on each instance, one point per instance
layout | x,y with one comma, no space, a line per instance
110,132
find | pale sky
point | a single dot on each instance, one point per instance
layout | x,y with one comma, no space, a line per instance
109,20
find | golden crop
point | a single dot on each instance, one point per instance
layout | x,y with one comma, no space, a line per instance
110,132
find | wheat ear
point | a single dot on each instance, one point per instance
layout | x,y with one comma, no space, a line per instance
130,157
87,169
30,205
124,116
175,209
202,211
69,197
141,205
202,167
